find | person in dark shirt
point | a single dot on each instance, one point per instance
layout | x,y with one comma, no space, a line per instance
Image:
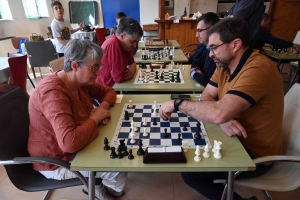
203,66
118,17
264,36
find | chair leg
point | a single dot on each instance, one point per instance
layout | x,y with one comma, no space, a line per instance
30,80
47,195
32,68
41,73
268,194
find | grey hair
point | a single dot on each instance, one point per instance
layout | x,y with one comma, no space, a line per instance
81,51
130,27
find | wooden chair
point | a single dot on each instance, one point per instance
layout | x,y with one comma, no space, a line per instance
57,64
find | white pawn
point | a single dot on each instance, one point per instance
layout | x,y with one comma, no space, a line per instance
197,158
132,141
144,121
145,134
177,66
154,105
141,76
184,145
217,153
145,79
130,104
206,154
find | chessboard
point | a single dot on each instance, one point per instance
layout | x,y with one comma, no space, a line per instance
164,133
159,43
165,76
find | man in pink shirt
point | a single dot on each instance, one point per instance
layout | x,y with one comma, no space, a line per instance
118,63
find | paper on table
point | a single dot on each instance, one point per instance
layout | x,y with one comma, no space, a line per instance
164,149
119,98
198,85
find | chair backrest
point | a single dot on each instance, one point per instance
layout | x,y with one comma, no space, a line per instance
57,64
297,38
291,121
18,70
100,34
15,41
40,53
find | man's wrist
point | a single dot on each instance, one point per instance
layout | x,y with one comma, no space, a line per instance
177,103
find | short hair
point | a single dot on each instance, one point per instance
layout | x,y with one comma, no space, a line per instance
230,29
266,16
209,19
130,27
120,14
55,3
81,51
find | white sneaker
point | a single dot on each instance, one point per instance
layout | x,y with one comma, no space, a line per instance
100,193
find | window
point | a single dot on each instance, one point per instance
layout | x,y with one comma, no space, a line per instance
5,13
35,9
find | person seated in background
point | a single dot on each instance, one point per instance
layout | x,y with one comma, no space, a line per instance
61,28
63,120
264,36
118,63
113,30
244,96
203,66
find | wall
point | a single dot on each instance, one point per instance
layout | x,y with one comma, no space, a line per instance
204,6
148,11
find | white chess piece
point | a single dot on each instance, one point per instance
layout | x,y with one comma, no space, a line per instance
206,153
135,127
197,158
144,121
132,129
141,76
146,79
184,145
132,141
183,67
145,134
217,153
154,105
214,147
130,104
154,112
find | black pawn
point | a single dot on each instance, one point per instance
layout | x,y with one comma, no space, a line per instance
152,69
161,77
120,155
140,151
154,121
156,76
106,146
130,156
184,128
197,135
126,116
125,152
113,152
165,134
172,78
179,138
198,125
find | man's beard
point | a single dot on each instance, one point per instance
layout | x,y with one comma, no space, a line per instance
221,64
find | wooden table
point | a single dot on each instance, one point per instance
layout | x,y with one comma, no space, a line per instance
178,57
93,158
283,58
4,69
142,45
189,86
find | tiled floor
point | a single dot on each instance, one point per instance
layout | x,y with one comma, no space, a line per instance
139,186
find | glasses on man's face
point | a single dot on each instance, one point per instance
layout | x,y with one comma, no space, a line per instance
199,30
214,48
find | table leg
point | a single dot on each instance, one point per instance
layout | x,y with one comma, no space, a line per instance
230,185
91,185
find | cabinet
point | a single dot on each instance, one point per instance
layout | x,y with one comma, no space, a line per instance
150,30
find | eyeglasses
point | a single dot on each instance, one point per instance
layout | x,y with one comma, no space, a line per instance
213,49
199,30
94,68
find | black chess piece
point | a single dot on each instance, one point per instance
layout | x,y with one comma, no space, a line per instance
197,134
126,116
152,69
130,156
198,125
165,134
106,146
161,77
140,151
156,76
122,144
120,155
172,78
125,152
179,138
178,76
184,128
154,121
113,152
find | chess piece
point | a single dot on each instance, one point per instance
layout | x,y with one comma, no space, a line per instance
206,153
132,141
154,105
154,112
113,153
135,127
197,134
154,121
161,78
141,76
178,76
197,158
120,155
172,78
130,156
179,138
140,151
126,116
184,128
130,104
125,152
217,153
122,144
145,134
144,121
214,147
184,145
106,146
165,134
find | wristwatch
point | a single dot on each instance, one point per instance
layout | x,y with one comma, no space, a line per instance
177,103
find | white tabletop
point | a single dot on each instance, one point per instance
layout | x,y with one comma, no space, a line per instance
82,34
4,69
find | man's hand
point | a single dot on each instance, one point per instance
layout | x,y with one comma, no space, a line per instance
166,109
129,72
81,25
197,70
233,127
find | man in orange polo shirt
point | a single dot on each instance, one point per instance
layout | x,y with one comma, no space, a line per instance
244,96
